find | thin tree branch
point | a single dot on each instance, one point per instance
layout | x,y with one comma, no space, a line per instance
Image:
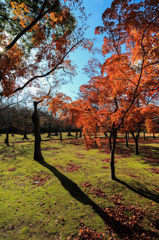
49,72
41,14
8,19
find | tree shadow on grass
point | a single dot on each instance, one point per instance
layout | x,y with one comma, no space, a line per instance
120,226
150,155
141,190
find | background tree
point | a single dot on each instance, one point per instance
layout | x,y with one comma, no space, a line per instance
7,121
24,123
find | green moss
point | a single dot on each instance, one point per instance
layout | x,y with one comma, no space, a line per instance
47,201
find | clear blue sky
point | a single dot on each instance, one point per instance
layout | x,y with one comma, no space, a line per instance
81,57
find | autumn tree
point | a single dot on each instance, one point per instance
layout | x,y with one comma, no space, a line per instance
142,113
133,71
50,29
129,73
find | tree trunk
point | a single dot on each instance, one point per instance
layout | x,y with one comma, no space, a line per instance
144,135
37,144
25,132
112,165
69,133
12,132
110,141
136,150
7,138
76,134
25,136
153,136
112,146
128,136
56,133
80,134
126,140
105,133
49,132
60,136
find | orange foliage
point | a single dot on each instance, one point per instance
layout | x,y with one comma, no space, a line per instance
51,34
120,91
12,66
59,104
128,82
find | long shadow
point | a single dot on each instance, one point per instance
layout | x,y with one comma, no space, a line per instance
71,187
150,155
141,190
117,226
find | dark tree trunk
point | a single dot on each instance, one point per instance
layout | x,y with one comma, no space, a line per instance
25,132
69,133
112,165
112,152
7,138
37,144
80,134
25,136
126,140
136,149
12,132
76,134
56,133
110,141
60,136
49,132
136,152
153,136
95,142
105,134
128,136
144,135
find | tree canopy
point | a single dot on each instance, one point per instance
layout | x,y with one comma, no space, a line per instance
47,27
124,90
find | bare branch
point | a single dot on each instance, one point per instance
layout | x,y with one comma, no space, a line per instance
49,72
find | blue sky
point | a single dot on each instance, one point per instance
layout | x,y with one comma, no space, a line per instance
81,57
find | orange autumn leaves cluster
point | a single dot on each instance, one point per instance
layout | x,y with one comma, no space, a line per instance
51,31
59,104
19,11
12,65
38,30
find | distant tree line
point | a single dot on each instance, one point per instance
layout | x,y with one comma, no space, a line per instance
19,120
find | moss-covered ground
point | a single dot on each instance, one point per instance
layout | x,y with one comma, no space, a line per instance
70,195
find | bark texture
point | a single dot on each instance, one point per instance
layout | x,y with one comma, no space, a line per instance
126,140
112,145
7,138
37,144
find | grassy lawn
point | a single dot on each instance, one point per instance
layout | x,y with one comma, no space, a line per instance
69,195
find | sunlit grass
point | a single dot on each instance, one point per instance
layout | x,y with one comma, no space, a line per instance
51,200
